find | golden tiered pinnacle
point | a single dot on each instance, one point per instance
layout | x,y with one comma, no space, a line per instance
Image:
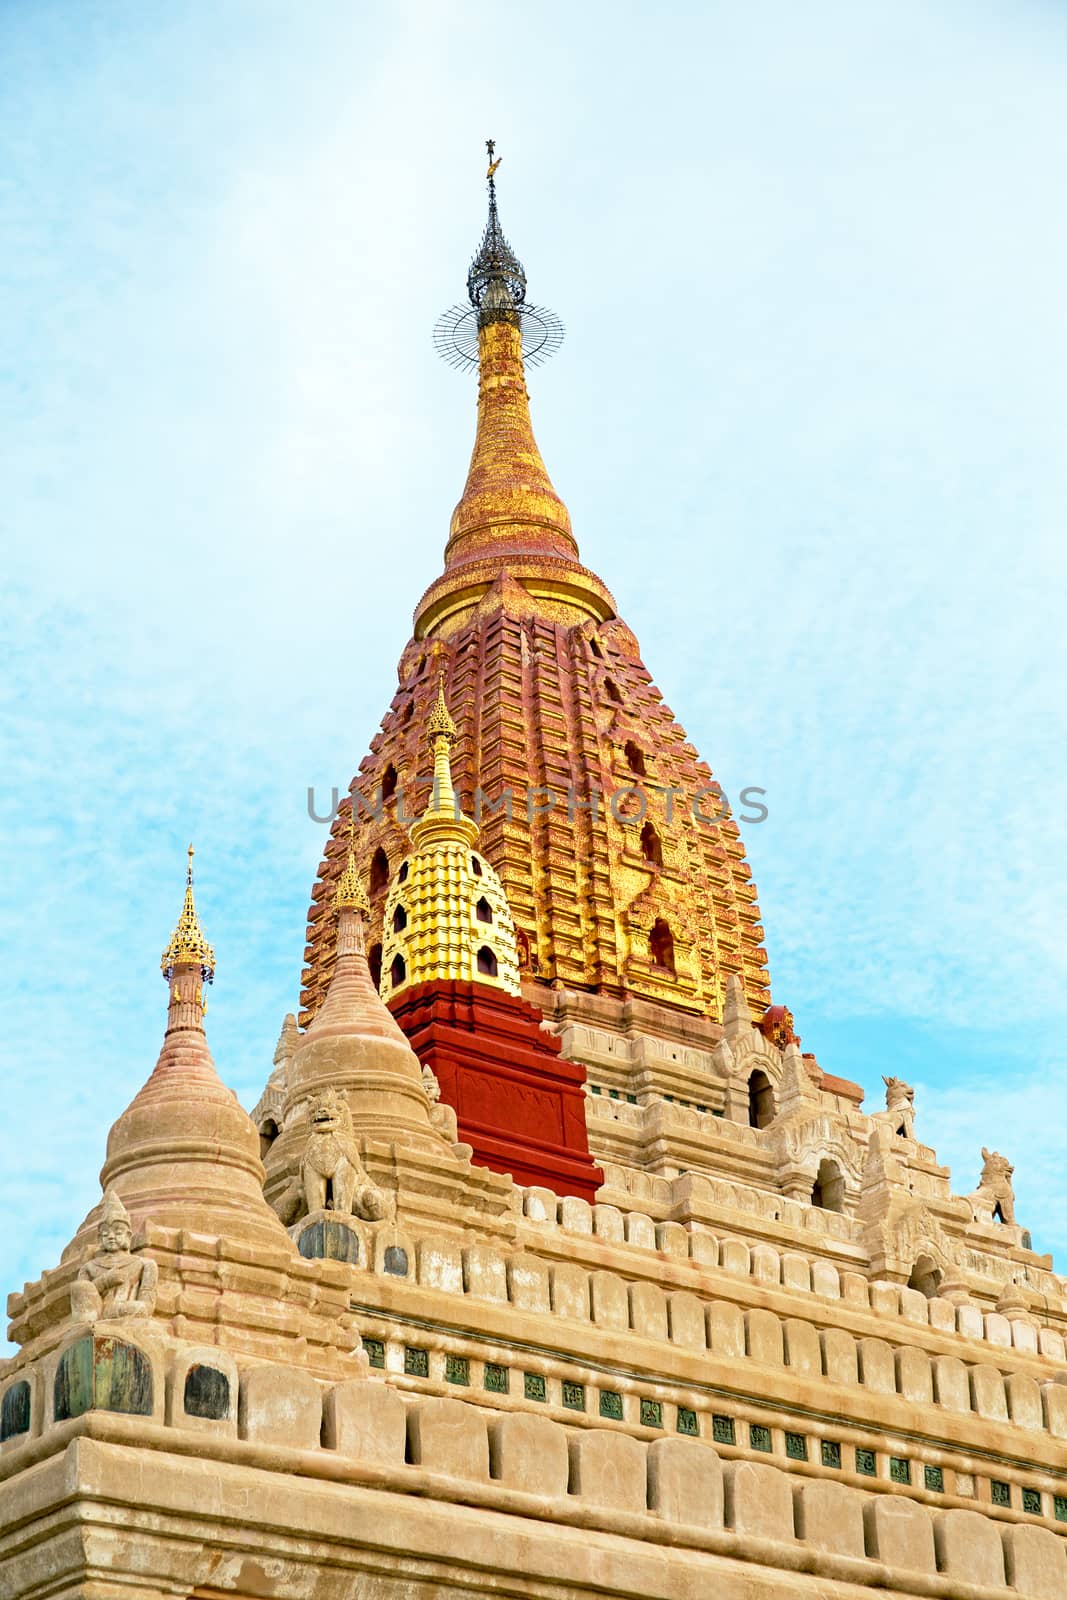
442,820
446,915
439,724
188,946
350,894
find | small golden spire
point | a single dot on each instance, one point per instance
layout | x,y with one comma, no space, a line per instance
440,724
188,947
443,817
350,894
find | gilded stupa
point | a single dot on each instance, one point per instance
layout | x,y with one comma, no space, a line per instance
613,893
548,1266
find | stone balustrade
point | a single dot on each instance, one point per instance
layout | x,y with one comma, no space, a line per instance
527,1464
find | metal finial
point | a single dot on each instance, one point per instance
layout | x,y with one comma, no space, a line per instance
496,290
496,282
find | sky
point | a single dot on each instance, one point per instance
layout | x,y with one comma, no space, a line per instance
808,419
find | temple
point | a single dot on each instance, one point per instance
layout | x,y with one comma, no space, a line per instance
548,1263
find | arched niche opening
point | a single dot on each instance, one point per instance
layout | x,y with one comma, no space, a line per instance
760,1100
476,866
635,758
379,871
611,691
402,875
651,845
374,962
661,946
483,910
486,961
268,1132
926,1276
595,648
398,971
400,919
389,782
828,1190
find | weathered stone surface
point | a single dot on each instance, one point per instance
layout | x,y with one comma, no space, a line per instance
530,1453
969,1547
900,1533
687,1321
830,1516
759,1500
570,1292
528,1283
280,1405
766,1264
951,1387
796,1271
726,1329
802,1351
365,1420
648,1310
685,1482
1024,1400
1036,1563
987,1393
877,1371
485,1273
1054,1396
611,1305
448,1436
763,1338
915,1379
734,1257
608,1469
839,1359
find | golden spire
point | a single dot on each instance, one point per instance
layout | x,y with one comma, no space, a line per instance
446,915
350,894
508,504
188,947
509,517
442,820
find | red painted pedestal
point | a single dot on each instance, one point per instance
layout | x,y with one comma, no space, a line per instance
518,1102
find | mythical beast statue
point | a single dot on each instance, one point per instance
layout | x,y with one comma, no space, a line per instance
332,1177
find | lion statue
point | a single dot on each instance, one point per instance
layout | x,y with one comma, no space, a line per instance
899,1106
994,1197
331,1177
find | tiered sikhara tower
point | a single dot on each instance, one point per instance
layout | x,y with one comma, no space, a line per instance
548,1264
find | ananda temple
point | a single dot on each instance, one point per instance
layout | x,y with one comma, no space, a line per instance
549,1264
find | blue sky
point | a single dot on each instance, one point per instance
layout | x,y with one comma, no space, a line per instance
808,420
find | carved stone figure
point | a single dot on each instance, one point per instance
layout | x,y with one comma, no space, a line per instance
431,1085
331,1173
994,1196
115,1283
900,1106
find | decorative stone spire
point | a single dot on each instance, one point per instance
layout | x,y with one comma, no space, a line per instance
184,1153
352,1004
736,1019
353,1053
446,915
